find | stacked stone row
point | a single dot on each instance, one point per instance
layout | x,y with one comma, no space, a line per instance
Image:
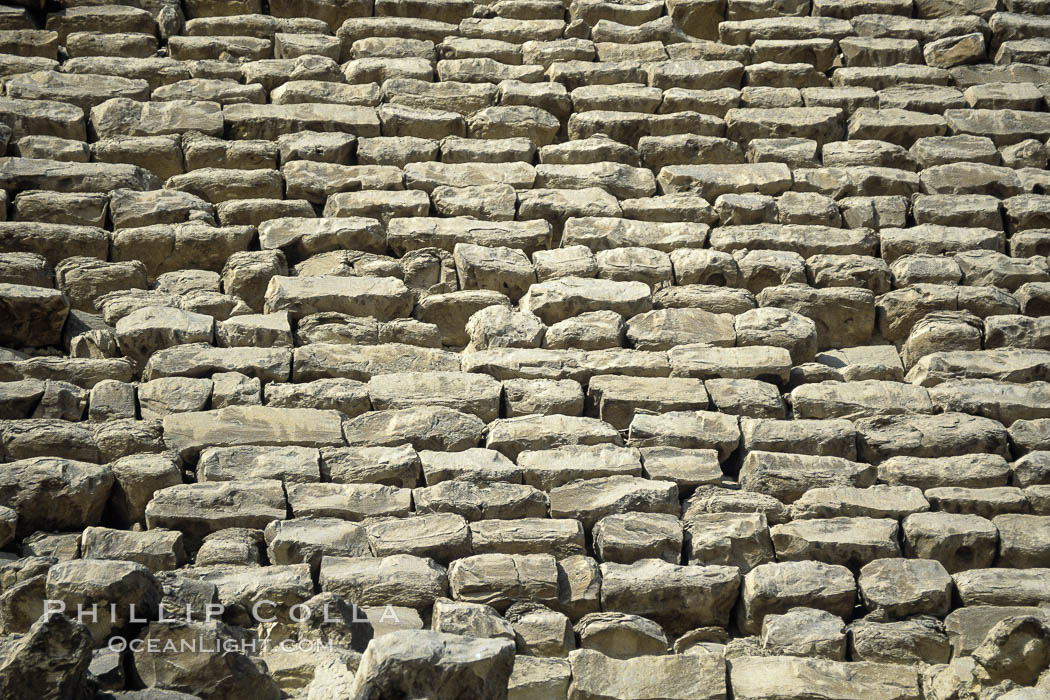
673,348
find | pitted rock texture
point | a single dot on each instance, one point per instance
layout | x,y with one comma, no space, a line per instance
538,349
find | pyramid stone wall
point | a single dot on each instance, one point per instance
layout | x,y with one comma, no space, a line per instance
525,348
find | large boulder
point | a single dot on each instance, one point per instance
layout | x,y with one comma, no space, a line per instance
470,393
384,298
443,537
157,550
8,525
621,635
252,594
917,640
791,677
301,238
832,438
397,466
539,677
189,433
1024,540
559,536
49,663
559,299
31,315
289,464
968,626
787,477
1004,402
362,362
38,173
122,590
197,510
55,494
805,632
678,597
349,501
121,116
859,399
628,537
178,666
589,500
137,478
777,587
549,468
48,437
499,326
476,464
957,541
917,435
469,619
851,542
1003,587
202,360
1016,649
421,663
727,538
249,121
422,427
502,579
615,398
512,436
900,588
667,328
878,501
705,430
596,676
766,363
398,580
505,270
1003,365
307,540
482,501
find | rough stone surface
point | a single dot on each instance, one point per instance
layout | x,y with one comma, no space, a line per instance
434,663
714,327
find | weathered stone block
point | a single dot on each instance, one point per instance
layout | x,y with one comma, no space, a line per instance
678,597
